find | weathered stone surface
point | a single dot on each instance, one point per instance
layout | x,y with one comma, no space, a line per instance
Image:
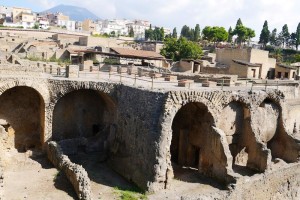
139,133
75,173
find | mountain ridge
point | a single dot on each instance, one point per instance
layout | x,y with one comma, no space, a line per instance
74,12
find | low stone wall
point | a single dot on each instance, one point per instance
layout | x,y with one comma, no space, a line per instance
283,183
215,70
75,173
20,70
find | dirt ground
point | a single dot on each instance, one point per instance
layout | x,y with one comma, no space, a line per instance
33,177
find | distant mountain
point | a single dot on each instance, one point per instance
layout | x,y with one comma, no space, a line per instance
75,13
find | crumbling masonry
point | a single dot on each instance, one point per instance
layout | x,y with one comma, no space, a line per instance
144,134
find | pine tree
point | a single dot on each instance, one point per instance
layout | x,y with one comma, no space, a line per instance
273,37
297,39
131,32
239,22
174,33
230,34
197,33
285,35
264,35
185,31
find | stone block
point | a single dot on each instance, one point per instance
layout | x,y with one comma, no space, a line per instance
171,78
209,84
185,83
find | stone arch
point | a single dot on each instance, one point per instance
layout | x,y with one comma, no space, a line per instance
281,144
39,87
84,113
213,101
198,143
22,114
249,156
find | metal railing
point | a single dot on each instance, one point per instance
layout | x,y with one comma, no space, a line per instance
157,81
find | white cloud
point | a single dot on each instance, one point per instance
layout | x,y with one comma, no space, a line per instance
176,13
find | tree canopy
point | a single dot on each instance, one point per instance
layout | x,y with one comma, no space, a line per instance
297,36
131,32
157,34
243,33
215,34
179,49
230,34
265,34
174,33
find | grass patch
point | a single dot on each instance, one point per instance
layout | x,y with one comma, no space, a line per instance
130,194
56,175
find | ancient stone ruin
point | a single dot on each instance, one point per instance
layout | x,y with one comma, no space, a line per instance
147,136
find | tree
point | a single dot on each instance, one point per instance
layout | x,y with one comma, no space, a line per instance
215,34
250,34
264,35
174,33
161,34
112,34
243,33
182,48
131,32
207,33
239,22
157,34
230,34
149,35
285,35
185,31
273,37
297,36
197,33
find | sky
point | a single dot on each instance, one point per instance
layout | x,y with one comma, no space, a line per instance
176,13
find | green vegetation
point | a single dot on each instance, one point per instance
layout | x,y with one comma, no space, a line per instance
36,26
156,34
242,32
180,49
190,33
111,61
132,194
105,35
53,59
131,32
264,37
2,26
230,34
56,175
215,34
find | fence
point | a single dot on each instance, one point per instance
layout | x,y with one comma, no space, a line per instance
154,80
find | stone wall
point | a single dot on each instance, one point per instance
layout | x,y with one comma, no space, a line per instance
75,173
215,70
133,143
140,128
225,56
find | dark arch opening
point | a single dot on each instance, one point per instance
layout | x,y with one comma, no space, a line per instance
83,114
190,124
195,146
22,114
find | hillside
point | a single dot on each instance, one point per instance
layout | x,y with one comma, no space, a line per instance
75,13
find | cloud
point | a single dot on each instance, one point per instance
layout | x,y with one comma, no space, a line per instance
176,13
42,4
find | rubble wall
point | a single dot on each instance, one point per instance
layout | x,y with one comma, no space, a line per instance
76,174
